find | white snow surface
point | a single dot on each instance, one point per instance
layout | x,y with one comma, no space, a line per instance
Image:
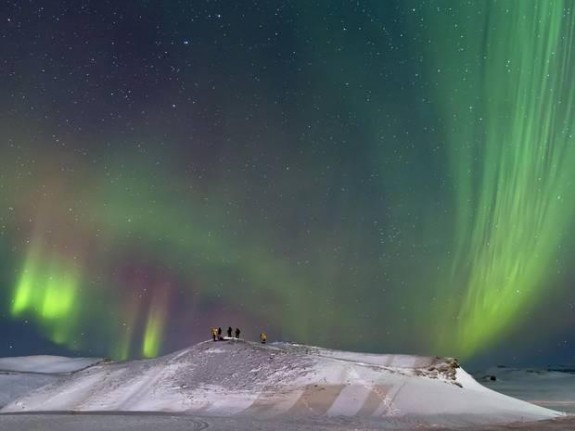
551,388
242,379
46,364
21,375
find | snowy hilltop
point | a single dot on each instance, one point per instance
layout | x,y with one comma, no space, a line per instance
244,379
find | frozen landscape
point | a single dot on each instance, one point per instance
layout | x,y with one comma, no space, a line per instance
377,175
243,385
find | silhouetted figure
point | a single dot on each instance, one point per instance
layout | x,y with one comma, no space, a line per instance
215,334
220,334
263,338
238,332
230,332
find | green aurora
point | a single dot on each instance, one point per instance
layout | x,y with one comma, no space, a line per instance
510,131
444,204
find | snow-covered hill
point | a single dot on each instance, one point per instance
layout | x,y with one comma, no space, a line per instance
236,378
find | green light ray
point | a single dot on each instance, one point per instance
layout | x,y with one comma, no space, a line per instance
47,289
155,325
153,333
513,180
24,293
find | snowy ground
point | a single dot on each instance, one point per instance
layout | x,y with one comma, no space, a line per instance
248,386
174,422
551,388
19,376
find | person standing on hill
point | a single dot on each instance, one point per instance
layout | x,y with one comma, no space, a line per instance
214,334
229,332
238,332
263,338
220,334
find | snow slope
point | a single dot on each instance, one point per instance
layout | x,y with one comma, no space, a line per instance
242,379
21,375
15,385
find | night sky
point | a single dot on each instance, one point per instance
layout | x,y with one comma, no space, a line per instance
381,175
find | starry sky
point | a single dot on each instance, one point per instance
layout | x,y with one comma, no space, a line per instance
378,175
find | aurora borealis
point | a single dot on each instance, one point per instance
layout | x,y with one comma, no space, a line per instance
515,207
389,176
